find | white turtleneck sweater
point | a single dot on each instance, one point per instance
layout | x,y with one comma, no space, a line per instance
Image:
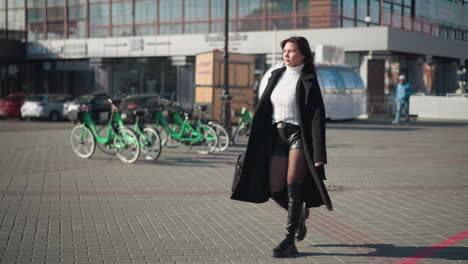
283,97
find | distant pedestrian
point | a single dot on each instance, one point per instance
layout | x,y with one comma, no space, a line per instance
402,96
286,151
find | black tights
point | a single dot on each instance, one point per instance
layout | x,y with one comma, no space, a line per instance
286,170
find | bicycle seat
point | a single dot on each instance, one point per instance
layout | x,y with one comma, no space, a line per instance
188,115
116,102
201,107
140,112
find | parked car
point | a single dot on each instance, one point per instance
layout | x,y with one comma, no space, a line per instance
10,106
94,102
150,102
44,106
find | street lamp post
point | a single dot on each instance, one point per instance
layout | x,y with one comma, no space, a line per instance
226,97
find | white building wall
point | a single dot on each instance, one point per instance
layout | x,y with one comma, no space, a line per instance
351,39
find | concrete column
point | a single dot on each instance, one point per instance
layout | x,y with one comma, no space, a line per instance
102,79
363,68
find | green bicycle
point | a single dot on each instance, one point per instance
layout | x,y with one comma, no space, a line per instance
148,137
242,132
122,139
201,138
223,136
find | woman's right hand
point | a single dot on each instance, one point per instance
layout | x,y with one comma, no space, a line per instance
318,164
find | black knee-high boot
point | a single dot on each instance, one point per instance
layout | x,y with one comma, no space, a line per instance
287,247
281,198
302,229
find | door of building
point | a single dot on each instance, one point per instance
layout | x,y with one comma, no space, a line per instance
375,87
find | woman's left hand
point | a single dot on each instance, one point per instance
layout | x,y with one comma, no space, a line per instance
320,163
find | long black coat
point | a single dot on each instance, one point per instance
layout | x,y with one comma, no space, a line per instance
253,185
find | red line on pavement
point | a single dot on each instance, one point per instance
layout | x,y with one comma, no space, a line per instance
346,235
434,249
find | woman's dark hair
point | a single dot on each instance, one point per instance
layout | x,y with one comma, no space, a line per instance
305,50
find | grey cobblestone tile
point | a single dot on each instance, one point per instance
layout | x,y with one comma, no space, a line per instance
63,208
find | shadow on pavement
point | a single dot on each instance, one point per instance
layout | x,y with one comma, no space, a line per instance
383,122
387,250
392,128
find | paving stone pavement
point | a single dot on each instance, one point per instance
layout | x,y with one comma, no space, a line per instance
398,192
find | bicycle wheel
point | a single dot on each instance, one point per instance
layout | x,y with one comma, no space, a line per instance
128,147
162,135
208,140
223,137
172,142
106,148
82,141
241,135
150,143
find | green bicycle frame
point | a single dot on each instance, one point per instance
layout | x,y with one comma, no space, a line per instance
88,122
186,133
110,134
246,117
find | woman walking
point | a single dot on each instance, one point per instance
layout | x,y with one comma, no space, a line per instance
286,151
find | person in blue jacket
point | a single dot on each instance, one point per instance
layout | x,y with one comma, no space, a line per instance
402,96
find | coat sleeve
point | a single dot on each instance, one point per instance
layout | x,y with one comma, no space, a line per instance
317,109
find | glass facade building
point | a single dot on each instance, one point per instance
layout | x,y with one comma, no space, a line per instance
70,19
76,27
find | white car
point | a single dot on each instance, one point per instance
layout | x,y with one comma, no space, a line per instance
44,106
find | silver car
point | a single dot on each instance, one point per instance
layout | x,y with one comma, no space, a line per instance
44,106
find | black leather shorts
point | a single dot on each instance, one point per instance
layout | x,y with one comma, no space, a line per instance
286,137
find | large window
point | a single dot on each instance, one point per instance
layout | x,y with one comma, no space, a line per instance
99,15
145,17
196,10
217,13
121,13
276,10
248,8
77,21
55,19
15,3
55,2
170,10
36,3
374,11
3,17
35,20
122,18
145,11
16,24
170,29
250,15
387,12
194,28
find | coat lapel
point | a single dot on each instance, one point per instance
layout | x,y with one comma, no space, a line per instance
275,75
307,81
